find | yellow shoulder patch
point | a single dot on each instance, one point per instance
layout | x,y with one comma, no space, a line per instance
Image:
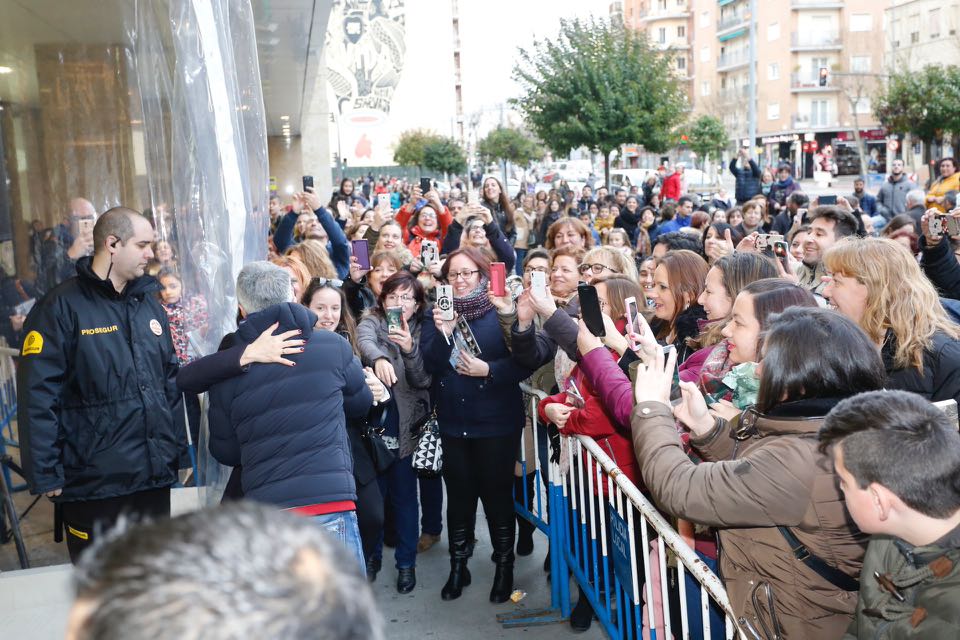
32,344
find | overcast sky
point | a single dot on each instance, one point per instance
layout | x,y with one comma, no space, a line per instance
492,30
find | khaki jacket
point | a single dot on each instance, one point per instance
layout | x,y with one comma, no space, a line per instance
772,476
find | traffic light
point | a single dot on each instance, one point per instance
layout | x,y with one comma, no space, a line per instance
684,139
823,76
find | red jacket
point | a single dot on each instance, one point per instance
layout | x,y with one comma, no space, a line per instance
593,420
405,213
671,187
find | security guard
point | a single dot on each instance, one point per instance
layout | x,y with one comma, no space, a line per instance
99,415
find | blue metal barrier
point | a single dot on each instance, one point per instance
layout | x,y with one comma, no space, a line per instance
618,548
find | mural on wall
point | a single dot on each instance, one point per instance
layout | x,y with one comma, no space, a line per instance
365,51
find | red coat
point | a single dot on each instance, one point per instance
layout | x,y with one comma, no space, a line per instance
593,420
671,188
405,213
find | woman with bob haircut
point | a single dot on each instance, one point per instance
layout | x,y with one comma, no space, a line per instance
877,283
764,485
606,261
568,231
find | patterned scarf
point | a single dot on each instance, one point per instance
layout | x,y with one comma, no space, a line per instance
474,304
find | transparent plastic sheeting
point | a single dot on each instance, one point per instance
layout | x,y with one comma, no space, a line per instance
206,153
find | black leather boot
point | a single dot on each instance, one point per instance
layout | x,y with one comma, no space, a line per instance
502,536
459,554
582,615
525,528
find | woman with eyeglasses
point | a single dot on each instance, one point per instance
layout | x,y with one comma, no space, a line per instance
395,357
480,411
606,261
488,238
791,554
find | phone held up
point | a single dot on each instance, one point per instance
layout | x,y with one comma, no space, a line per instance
425,185
307,183
590,309
633,311
827,199
498,278
538,284
445,301
675,396
428,253
361,251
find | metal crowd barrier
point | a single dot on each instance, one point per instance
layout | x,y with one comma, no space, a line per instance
619,549
8,408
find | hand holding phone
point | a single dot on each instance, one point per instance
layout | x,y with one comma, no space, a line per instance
590,309
308,183
827,199
445,301
633,310
361,251
425,185
538,284
498,279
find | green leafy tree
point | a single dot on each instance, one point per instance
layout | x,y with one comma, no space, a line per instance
599,85
924,103
708,137
510,144
444,155
410,146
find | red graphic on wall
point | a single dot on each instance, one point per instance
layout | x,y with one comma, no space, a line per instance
364,148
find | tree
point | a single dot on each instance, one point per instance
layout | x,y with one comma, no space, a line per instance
510,144
410,146
444,155
599,85
708,137
924,103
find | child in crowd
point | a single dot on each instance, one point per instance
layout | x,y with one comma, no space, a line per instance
898,460
618,239
604,221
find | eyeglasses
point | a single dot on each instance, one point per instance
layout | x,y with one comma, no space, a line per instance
597,269
464,274
537,269
402,298
327,282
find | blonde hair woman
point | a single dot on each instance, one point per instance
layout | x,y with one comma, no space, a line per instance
314,255
606,261
877,283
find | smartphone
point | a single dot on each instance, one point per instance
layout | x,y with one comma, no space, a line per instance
85,226
781,251
831,199
425,185
675,396
428,252
473,196
590,309
498,278
952,225
307,183
361,251
633,310
538,283
445,301
394,319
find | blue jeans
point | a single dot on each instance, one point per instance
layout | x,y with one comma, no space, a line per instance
399,486
518,266
431,505
342,525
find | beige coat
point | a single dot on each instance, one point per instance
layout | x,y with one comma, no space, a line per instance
773,476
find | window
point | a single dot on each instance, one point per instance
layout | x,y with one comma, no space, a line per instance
934,23
862,107
915,37
705,18
815,65
860,64
681,63
705,88
861,22
662,35
681,31
773,71
773,111
662,5
773,32
705,54
818,113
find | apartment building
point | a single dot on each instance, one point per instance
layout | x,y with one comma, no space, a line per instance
922,32
797,116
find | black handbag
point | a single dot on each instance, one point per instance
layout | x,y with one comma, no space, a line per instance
382,456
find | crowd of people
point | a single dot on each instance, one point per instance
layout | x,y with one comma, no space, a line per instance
809,337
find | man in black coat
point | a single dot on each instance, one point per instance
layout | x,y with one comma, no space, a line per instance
286,426
747,175
99,414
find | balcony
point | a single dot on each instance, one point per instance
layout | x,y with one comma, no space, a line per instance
808,83
654,14
732,21
734,94
800,5
807,121
732,60
825,41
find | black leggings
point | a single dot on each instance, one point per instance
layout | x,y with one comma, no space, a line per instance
480,468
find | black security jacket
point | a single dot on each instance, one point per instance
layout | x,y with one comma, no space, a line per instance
99,413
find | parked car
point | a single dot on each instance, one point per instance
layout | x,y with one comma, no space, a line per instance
627,178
